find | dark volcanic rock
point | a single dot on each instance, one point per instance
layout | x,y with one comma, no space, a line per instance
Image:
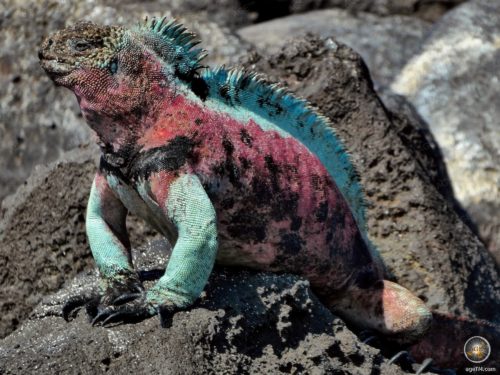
415,133
42,234
419,141
42,238
421,238
385,43
245,323
38,122
454,85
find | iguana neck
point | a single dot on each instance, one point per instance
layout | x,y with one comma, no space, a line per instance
120,125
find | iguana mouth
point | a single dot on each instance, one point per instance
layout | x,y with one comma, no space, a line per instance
55,67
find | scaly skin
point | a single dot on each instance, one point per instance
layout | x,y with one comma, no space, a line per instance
228,168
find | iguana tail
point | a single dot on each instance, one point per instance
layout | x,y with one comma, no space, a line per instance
445,342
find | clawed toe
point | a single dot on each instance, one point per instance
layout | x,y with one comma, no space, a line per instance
165,313
133,311
102,314
400,356
126,297
74,304
128,314
129,307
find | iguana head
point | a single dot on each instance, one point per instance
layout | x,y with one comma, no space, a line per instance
120,75
67,54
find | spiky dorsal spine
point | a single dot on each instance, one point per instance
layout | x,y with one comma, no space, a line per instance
173,44
295,116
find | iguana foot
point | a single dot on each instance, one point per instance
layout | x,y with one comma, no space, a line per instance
400,354
121,301
129,307
116,293
131,311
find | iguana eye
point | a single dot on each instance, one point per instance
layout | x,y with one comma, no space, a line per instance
81,45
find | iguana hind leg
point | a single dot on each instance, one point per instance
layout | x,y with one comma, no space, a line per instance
385,307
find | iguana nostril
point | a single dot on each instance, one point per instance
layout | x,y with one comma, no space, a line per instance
45,47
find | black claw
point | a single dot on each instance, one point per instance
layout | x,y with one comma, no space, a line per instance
396,356
425,364
128,314
92,308
94,321
369,339
126,297
133,311
166,314
70,309
102,315
138,288
366,336
74,304
111,318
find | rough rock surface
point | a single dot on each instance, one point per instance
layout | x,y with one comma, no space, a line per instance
42,238
418,139
246,323
454,84
42,234
421,238
38,122
429,10
385,43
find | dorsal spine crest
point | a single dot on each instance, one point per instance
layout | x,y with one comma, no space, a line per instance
173,44
235,87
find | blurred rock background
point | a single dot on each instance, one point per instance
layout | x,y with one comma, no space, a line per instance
419,113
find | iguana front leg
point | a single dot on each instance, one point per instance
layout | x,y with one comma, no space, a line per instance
189,210
107,235
110,246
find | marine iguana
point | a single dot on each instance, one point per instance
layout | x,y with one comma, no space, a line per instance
229,168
